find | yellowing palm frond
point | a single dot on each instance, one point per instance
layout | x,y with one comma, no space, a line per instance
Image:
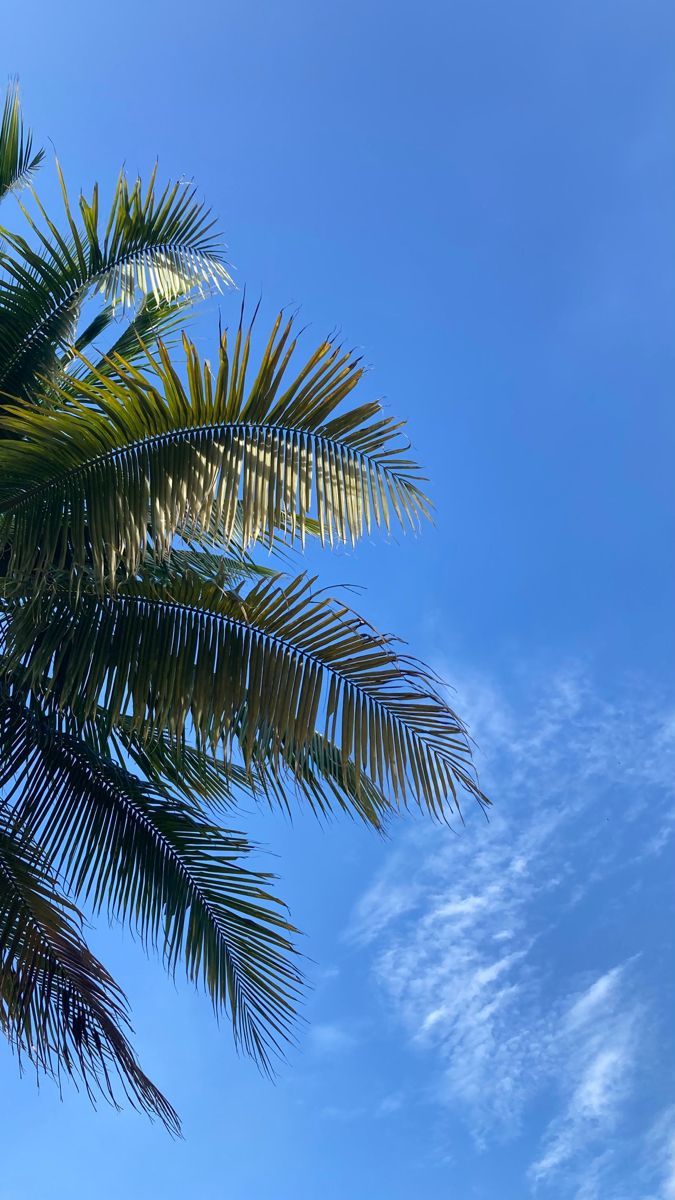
120,465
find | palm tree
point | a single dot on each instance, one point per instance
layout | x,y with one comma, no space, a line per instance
152,671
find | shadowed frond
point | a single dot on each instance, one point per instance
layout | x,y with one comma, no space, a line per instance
18,163
58,1005
192,771
273,667
126,464
316,775
158,245
140,852
228,571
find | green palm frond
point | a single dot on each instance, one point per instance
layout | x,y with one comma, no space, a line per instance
153,676
158,245
58,1005
138,851
316,775
277,664
18,163
152,322
192,771
127,463
228,571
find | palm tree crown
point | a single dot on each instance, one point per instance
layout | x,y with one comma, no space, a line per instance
152,671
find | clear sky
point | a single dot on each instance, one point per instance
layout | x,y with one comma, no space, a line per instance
482,196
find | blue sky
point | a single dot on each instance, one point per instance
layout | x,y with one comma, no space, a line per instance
481,196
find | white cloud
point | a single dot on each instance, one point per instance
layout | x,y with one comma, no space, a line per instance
325,1040
596,1052
389,898
336,1112
662,1153
390,1104
465,931
593,1000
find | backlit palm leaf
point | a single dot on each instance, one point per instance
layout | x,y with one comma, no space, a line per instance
150,670
18,163
124,464
153,244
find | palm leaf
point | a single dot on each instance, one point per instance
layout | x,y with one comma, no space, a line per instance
270,668
139,851
152,322
319,774
58,1004
315,775
18,163
122,467
226,570
158,245
194,772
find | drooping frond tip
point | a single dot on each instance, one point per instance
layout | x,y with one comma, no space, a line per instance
58,1005
139,851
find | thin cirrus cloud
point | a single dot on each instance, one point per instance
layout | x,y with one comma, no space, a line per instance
326,1040
500,949
662,1147
596,1051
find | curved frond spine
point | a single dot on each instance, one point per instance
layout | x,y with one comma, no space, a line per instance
128,462
278,664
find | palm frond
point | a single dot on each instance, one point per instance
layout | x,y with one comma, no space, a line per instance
58,1005
138,851
126,464
228,571
319,775
316,775
192,771
153,244
151,323
272,667
18,163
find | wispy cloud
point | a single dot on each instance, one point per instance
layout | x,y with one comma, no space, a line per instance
390,1104
662,1153
343,1112
465,931
595,1053
327,1040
